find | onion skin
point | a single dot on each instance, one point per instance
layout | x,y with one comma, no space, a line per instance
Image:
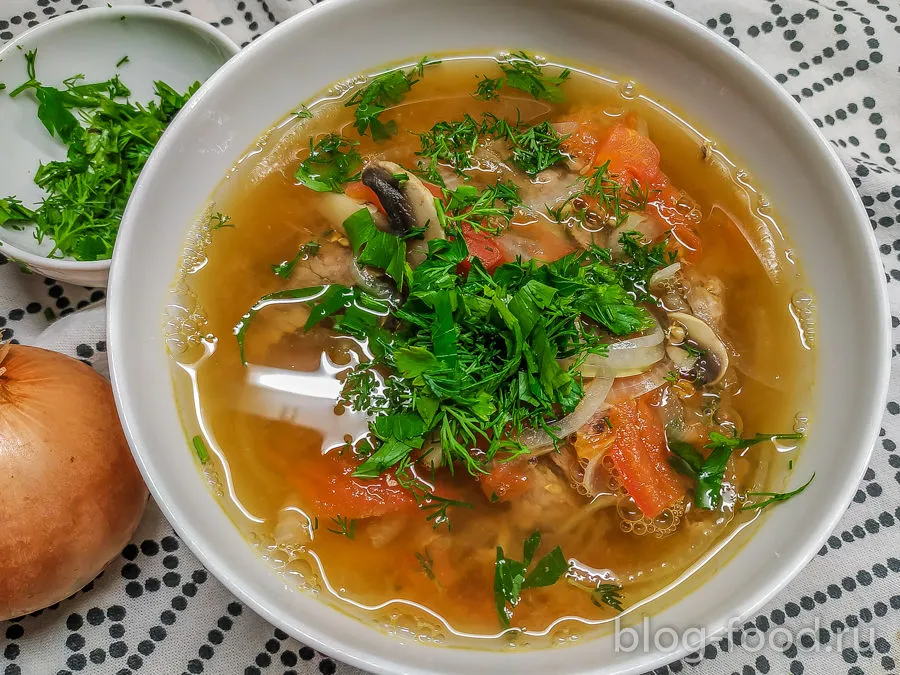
70,493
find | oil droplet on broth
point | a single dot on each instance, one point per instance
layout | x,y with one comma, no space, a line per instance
628,89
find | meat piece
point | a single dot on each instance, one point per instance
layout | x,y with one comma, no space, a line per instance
706,296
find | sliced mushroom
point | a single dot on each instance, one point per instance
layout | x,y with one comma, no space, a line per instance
710,365
336,208
386,183
408,203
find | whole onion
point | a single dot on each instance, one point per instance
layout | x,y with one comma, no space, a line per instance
70,493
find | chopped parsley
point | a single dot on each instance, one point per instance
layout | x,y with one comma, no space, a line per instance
219,220
710,471
511,577
332,162
773,497
305,252
108,143
383,91
522,72
473,359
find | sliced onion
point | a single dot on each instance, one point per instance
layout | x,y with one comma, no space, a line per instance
593,401
627,357
591,476
564,128
627,388
664,275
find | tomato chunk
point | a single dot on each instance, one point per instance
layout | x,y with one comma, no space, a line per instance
631,156
506,481
329,486
482,246
639,455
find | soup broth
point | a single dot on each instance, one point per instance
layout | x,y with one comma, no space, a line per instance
414,546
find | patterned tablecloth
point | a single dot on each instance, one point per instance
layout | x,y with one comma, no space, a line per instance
156,609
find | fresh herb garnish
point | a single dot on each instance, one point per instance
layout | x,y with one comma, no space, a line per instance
303,113
607,594
344,526
12,211
108,144
773,497
219,220
534,148
436,508
522,72
710,471
121,62
426,563
200,449
470,360
382,92
376,248
332,162
475,208
511,577
309,250
488,88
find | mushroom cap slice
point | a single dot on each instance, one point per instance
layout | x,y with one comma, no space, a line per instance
714,362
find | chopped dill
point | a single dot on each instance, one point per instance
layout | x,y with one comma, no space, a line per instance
344,526
522,72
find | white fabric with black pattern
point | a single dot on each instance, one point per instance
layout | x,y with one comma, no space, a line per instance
156,610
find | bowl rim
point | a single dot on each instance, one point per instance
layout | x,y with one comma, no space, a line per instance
342,647
62,22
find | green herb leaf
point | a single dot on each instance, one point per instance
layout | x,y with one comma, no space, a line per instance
773,497
522,72
305,252
510,577
332,162
13,212
710,472
384,91
108,143
608,594
200,449
344,526
426,563
374,247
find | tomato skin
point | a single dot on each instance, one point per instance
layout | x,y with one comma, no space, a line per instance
482,246
630,156
639,454
360,192
505,481
331,489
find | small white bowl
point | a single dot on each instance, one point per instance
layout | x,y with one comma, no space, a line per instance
160,44
697,73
